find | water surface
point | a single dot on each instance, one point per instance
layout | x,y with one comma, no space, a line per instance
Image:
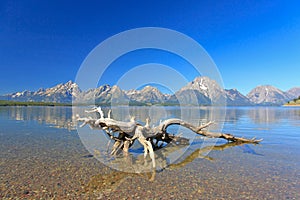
42,156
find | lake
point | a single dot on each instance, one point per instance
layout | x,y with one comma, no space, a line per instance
44,156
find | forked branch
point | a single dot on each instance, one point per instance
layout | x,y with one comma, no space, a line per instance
151,138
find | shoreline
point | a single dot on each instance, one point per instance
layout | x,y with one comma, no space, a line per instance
291,105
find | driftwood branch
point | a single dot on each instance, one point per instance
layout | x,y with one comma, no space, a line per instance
151,138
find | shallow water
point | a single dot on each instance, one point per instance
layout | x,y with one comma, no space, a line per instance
42,156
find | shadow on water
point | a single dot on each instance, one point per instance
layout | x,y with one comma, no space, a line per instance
247,149
111,182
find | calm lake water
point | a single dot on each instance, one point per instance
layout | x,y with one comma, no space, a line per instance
42,156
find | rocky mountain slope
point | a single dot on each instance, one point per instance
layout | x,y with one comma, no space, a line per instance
207,91
235,98
267,95
148,94
62,93
201,90
294,92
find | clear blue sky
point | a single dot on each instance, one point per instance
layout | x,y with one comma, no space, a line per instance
43,43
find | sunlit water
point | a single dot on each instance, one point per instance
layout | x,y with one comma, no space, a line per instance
42,156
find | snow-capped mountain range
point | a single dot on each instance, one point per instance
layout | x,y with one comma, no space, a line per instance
201,90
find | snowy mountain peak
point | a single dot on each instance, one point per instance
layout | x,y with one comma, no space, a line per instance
149,88
148,94
202,90
267,94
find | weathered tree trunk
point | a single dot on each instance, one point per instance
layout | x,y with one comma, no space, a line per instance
149,137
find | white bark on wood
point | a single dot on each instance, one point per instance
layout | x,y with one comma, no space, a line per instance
130,131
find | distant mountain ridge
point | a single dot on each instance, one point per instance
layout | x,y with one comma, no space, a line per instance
294,92
268,95
201,91
61,93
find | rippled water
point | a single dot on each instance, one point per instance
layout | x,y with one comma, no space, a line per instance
42,156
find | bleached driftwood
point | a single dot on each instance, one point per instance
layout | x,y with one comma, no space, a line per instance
151,138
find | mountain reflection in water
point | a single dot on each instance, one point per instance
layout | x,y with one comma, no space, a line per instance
62,117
